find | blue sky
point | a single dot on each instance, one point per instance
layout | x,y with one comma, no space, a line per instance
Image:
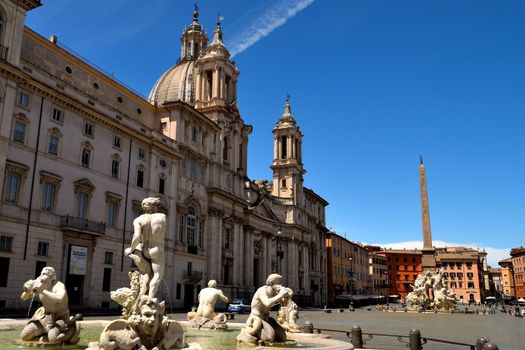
374,84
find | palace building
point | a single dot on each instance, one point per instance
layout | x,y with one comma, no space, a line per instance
79,151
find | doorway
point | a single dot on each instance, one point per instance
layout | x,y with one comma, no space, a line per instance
76,272
188,296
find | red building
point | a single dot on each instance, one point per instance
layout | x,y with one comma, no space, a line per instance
403,266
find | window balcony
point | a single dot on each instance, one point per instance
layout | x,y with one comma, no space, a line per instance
192,276
82,225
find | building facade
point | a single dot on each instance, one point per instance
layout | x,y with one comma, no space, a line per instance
403,267
518,268
378,272
507,278
79,151
463,272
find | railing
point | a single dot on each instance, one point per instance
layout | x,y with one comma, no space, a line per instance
414,340
192,275
74,223
193,249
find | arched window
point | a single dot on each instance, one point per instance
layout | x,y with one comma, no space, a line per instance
191,224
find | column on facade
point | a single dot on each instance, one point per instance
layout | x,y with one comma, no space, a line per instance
212,249
198,87
236,254
276,148
244,249
267,258
222,85
215,83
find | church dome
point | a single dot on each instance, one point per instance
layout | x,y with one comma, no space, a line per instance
175,84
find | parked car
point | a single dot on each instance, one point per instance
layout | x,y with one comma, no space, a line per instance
239,306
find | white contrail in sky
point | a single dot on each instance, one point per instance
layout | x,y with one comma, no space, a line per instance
272,18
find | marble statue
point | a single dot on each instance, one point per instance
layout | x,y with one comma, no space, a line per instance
205,316
147,244
144,324
288,315
51,323
429,292
146,328
260,327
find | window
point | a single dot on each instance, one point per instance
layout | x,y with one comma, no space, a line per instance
203,174
115,165
140,178
204,138
39,266
452,284
86,158
193,169
183,167
186,128
194,134
142,153
116,142
82,205
19,132
470,275
6,243
201,233
106,280
57,115
112,213
137,209
52,147
108,258
162,163
12,188
460,274
88,129
161,185
283,183
4,271
225,149
23,99
283,147
42,249
190,226
470,284
469,265
163,126
48,196
181,228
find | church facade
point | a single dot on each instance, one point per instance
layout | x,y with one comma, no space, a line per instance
79,151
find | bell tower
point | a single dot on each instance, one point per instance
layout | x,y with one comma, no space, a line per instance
287,162
193,40
216,78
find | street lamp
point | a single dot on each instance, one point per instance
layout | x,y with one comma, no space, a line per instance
280,253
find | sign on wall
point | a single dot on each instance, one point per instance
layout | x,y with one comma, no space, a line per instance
78,260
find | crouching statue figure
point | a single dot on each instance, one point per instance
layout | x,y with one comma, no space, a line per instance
205,316
260,327
51,323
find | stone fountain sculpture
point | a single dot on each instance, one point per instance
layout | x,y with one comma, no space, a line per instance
430,293
51,323
260,327
288,315
205,316
144,324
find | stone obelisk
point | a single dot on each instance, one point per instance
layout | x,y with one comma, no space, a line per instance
429,258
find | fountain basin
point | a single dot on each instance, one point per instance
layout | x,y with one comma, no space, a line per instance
208,339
